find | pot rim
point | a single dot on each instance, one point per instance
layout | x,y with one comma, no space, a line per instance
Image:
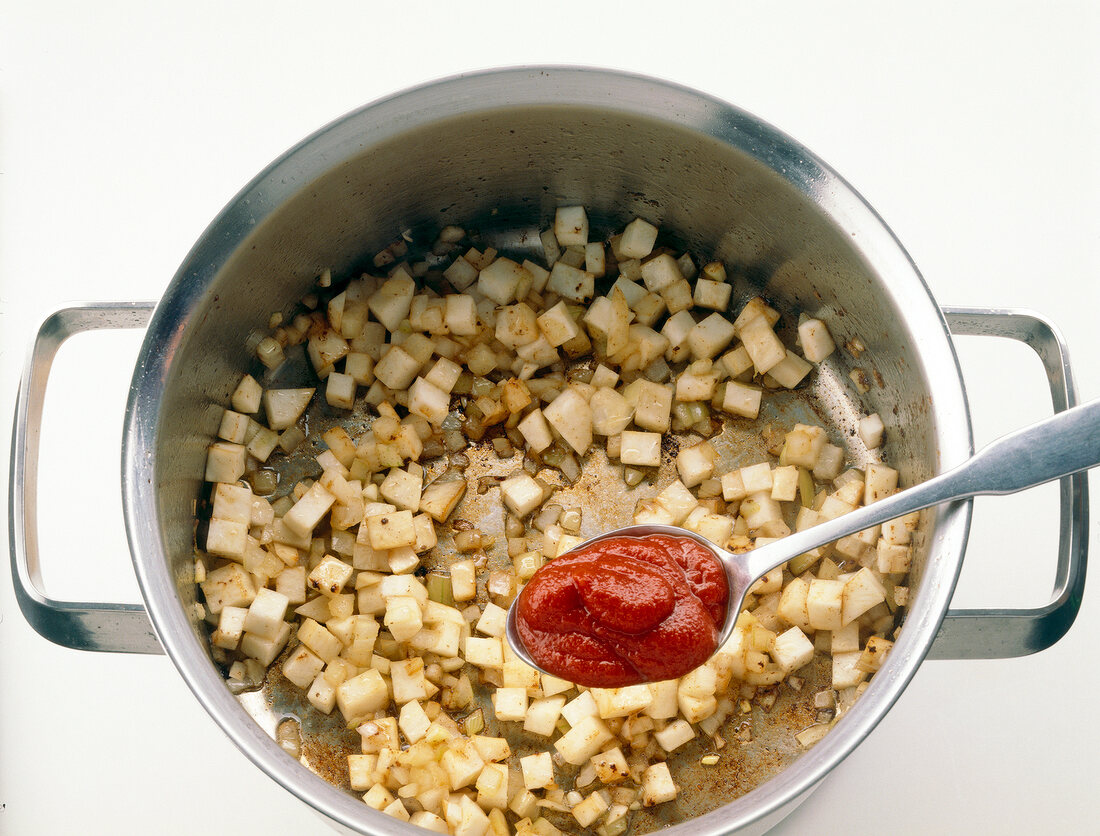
490,90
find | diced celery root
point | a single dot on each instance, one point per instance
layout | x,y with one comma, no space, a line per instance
610,345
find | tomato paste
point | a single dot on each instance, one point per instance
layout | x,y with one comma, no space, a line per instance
625,610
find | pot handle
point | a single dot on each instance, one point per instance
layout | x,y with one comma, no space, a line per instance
1007,633
121,628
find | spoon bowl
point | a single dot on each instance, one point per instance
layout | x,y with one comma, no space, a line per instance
1050,449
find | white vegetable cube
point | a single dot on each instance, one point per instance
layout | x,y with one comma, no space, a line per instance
266,614
581,706
677,296
709,337
391,302
440,498
871,430
444,374
359,367
318,639
620,702
571,226
225,462
583,740
403,617
429,821
657,785
792,604
861,592
674,735
595,258
234,427
753,308
790,371
309,510
264,650
590,809
785,483
516,325
652,404
397,368
464,580
733,487
900,531
322,694
824,600
874,654
510,703
460,312
535,431
660,272
571,416
538,771
227,538
696,386
611,413
817,342
542,716
521,494
763,346
391,530
402,490
829,463
285,406
571,283
736,361
407,680
846,639
230,628
485,653
492,786
880,482
362,695
846,671
715,527
329,576
552,685
611,766
413,721
891,558
461,274
462,764
742,399
712,295
228,586
302,667
696,464
678,500
640,449
803,445
638,239
558,325
792,650
263,443
757,477
247,396
676,330
429,401
340,390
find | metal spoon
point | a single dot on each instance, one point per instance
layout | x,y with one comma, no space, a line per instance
1052,448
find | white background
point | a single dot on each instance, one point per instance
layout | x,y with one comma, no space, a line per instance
125,127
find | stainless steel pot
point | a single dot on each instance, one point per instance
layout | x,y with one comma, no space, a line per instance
498,151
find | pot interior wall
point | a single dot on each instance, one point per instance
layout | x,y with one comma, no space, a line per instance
501,173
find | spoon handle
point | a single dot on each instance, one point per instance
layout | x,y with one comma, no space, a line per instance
1050,449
